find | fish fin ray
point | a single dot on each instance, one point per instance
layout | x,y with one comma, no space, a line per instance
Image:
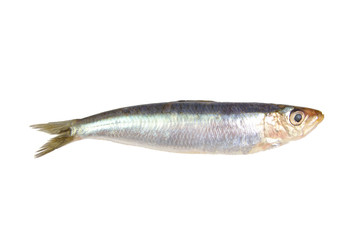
62,129
54,127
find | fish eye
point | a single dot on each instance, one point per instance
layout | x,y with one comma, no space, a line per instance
297,117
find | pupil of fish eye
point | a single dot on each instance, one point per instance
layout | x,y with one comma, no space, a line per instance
298,117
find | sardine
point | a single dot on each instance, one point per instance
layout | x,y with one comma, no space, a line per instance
190,127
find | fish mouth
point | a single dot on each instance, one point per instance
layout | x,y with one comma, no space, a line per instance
320,117
316,116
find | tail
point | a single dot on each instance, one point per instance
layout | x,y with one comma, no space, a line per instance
62,129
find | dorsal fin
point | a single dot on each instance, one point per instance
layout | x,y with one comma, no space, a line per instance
201,101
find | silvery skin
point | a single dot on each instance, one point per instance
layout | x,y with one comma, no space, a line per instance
190,127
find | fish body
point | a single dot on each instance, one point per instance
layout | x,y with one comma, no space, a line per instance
191,127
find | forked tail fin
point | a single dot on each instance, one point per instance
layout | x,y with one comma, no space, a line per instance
63,132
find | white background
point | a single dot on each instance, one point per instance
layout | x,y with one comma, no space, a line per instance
70,59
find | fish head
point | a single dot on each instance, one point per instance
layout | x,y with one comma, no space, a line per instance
290,123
